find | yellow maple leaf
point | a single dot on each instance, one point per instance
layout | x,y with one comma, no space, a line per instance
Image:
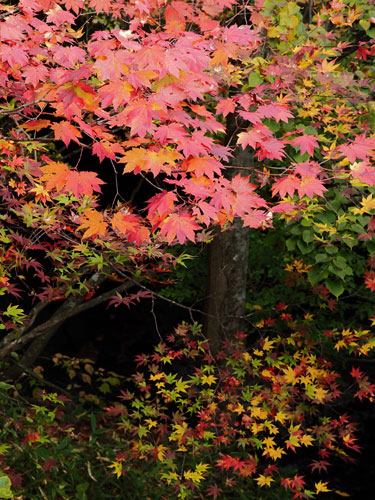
321,487
161,452
117,468
289,375
268,344
208,379
307,440
275,453
264,480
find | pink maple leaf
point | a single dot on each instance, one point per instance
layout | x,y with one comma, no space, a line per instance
80,183
306,143
179,225
364,172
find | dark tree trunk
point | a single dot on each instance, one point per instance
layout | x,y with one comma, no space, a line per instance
228,257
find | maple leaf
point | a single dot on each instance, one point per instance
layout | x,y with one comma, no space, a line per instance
321,487
364,172
36,124
115,93
174,20
35,74
225,106
179,225
263,480
271,148
285,185
319,465
160,205
101,5
370,280
74,5
94,224
283,207
306,143
254,136
105,149
67,132
255,218
213,491
361,148
310,186
277,111
82,183
55,175
203,165
125,222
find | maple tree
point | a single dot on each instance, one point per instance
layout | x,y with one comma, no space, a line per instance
150,94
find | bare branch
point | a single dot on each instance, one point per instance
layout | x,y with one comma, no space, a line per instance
62,314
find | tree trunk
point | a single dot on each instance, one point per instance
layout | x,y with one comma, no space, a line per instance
228,257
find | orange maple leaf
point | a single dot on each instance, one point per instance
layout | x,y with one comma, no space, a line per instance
93,223
66,132
55,175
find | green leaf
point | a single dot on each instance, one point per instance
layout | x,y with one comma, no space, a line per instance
307,235
315,275
335,287
365,24
332,250
291,244
255,79
303,247
321,257
5,484
5,386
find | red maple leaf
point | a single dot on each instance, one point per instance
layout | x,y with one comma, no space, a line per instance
278,112
285,185
66,132
160,205
356,373
306,143
370,280
82,183
101,5
362,147
310,186
225,107
364,172
213,491
180,226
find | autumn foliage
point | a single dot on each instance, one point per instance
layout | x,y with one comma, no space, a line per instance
146,90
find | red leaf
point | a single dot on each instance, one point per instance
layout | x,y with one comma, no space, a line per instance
213,491
66,132
370,280
225,107
160,205
364,172
180,225
361,148
306,143
82,183
285,185
101,5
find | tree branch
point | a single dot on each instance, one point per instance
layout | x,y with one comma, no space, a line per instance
67,310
